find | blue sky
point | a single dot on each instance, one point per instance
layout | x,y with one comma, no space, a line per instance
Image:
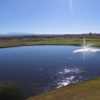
49,16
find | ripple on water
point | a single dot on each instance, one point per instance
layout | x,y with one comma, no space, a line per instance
67,76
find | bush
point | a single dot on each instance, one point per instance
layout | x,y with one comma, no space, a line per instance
11,92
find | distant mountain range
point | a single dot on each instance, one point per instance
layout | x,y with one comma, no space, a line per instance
26,34
17,34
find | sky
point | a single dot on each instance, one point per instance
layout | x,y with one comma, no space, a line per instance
49,16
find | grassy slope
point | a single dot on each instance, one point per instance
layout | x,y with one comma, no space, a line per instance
48,42
89,90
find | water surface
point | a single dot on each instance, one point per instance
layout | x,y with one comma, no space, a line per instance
40,68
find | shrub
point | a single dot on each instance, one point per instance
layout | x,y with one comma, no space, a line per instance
11,92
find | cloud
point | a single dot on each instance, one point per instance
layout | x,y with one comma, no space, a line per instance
71,6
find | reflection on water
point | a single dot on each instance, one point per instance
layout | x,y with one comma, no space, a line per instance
67,76
40,68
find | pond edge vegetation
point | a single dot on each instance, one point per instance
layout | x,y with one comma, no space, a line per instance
74,40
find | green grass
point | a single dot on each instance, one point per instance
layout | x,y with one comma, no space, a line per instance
10,43
89,90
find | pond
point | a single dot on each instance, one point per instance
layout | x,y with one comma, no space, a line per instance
41,68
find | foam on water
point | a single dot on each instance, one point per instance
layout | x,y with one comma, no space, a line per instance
86,49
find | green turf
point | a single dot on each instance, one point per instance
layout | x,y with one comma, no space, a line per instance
9,43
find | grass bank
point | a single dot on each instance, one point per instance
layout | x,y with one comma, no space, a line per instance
62,41
89,90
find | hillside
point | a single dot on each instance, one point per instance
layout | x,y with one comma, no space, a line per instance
89,90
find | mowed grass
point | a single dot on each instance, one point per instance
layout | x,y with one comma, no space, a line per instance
89,90
94,42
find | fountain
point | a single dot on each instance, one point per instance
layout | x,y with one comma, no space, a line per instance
86,48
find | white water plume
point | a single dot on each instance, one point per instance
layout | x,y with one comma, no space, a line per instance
86,48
